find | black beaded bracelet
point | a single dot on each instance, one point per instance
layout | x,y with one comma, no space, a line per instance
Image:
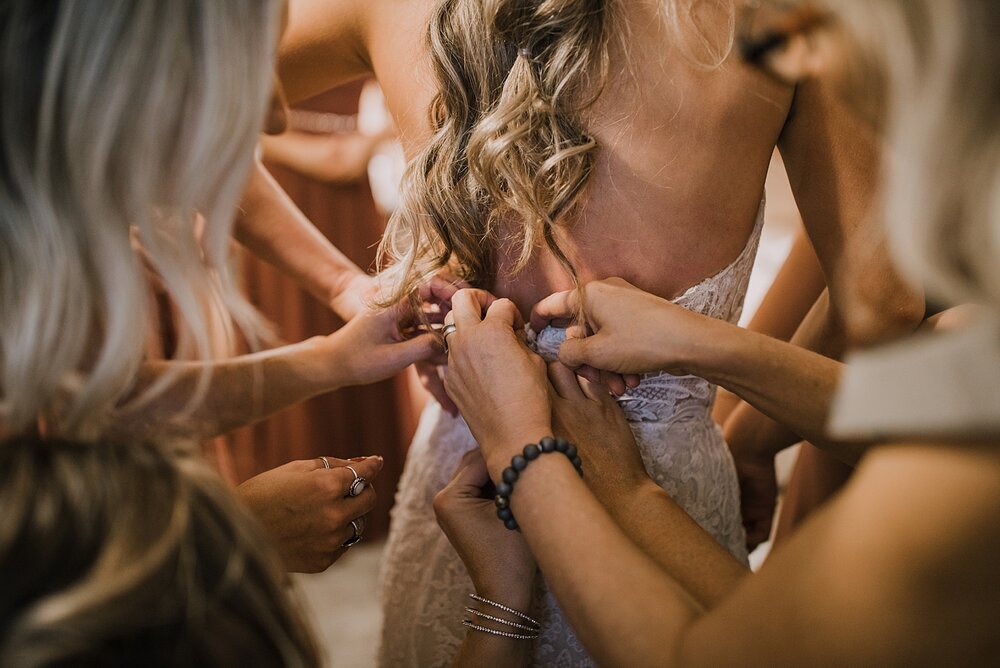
520,462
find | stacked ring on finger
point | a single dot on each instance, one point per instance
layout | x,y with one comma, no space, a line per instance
445,333
357,485
358,524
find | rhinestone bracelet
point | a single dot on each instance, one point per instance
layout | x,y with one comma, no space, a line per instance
505,634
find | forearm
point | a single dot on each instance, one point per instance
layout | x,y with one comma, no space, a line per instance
790,386
273,228
325,158
653,521
485,650
240,391
622,605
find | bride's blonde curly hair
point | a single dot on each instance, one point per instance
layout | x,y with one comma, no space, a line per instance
510,156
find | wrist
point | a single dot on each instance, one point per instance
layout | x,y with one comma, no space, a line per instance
499,450
328,362
340,289
719,348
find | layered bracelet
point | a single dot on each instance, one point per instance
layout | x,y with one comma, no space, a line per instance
520,462
525,628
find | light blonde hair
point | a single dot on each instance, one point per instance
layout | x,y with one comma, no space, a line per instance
119,115
511,156
942,168
128,555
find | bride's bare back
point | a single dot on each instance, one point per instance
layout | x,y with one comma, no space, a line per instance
683,151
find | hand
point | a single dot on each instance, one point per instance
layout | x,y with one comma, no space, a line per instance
355,296
497,382
375,346
360,291
305,508
587,416
634,332
754,460
498,560
436,295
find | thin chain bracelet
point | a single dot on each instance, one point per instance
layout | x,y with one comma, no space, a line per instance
485,629
520,462
501,620
501,606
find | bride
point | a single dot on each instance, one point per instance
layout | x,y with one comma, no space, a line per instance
568,141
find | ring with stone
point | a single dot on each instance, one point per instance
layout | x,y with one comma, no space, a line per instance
445,333
357,485
359,528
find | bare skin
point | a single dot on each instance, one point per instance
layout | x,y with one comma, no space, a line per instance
680,171
886,574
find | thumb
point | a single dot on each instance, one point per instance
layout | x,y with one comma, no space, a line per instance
472,474
417,349
575,353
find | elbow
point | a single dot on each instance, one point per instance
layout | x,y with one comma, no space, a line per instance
879,310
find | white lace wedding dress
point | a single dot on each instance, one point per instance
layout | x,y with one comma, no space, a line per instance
424,586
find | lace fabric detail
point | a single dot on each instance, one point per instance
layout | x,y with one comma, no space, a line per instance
424,585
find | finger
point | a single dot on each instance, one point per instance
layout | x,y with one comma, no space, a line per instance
472,474
614,382
435,316
433,383
575,353
555,307
596,392
417,349
632,380
467,306
505,311
343,509
342,477
591,374
564,381
438,290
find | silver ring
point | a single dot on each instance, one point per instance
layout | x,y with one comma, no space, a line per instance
326,462
357,485
445,333
359,528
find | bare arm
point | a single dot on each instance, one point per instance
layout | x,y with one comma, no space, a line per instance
273,229
335,159
787,381
854,588
246,389
795,289
886,575
323,46
833,162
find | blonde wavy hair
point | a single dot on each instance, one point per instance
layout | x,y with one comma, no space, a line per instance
119,118
128,555
942,170
510,157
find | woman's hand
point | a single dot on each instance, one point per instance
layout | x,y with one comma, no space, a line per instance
587,416
498,560
376,345
497,382
305,508
632,332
